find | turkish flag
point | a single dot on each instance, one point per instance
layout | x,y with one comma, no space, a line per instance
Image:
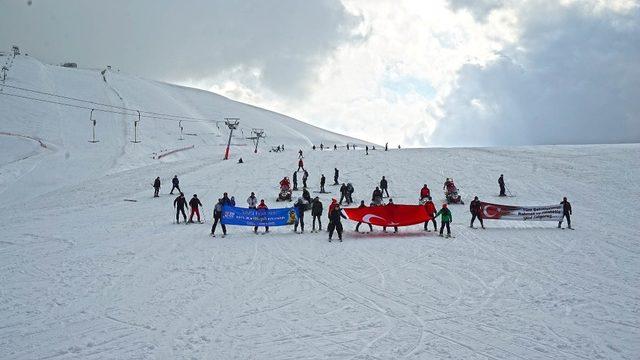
389,215
495,211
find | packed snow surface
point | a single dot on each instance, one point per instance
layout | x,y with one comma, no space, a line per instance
85,274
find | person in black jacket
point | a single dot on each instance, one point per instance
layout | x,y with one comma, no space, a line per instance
362,205
306,195
566,212
316,213
217,217
156,187
383,186
335,223
180,203
476,212
294,179
322,181
502,187
176,184
301,206
376,197
350,191
344,193
335,176
194,203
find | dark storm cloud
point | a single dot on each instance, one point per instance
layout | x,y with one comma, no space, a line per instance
281,40
572,77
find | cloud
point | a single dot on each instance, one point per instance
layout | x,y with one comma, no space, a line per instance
279,42
571,77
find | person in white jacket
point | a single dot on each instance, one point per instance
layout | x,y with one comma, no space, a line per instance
252,201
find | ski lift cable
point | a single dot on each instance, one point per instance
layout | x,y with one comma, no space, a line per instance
131,113
107,105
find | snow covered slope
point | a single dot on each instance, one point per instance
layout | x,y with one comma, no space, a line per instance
66,130
86,275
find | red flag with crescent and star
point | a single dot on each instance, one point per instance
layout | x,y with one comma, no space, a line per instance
389,215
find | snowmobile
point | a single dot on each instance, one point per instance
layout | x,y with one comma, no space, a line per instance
285,194
451,193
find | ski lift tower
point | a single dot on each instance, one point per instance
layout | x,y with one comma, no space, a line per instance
232,123
257,135
93,127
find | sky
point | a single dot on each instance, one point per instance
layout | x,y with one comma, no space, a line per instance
409,72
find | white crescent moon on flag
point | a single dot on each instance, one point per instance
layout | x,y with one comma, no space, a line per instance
367,218
491,211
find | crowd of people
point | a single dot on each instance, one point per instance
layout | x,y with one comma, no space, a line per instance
305,203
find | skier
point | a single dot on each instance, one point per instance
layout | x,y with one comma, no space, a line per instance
333,204
252,201
301,206
350,191
217,217
425,192
366,150
347,146
362,205
232,201
335,147
226,200
383,186
295,180
566,212
395,228
299,153
321,146
476,212
431,210
335,176
156,187
446,219
386,146
322,181
334,222
306,195
180,203
376,197
501,183
300,165
262,207
313,148
344,193
176,184
305,176
316,213
194,203
240,161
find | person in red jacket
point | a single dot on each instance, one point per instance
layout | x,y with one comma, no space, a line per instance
431,210
425,192
284,183
195,210
261,206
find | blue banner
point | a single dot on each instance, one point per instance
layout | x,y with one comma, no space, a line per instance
232,215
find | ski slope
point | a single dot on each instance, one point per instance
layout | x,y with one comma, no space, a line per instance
87,275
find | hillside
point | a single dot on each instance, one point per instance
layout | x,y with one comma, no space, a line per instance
87,275
65,130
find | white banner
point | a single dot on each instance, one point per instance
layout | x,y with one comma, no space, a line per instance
521,213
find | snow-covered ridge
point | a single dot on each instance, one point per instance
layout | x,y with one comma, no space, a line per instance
68,129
